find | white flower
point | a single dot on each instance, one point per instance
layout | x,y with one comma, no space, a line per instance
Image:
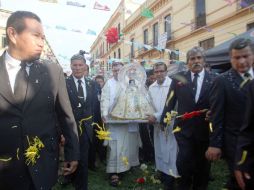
143,167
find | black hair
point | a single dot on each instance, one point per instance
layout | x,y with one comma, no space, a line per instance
99,77
16,21
160,64
241,43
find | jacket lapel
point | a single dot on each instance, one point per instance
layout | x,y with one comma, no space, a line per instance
189,83
205,85
5,88
35,81
73,89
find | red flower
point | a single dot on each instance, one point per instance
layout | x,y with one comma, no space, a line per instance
140,180
112,35
191,114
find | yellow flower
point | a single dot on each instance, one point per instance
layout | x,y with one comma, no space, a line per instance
177,129
80,123
125,160
167,119
32,152
170,97
6,159
244,156
102,133
211,127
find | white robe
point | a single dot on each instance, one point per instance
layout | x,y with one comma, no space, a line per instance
165,145
125,141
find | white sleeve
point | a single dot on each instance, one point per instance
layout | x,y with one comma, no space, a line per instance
105,100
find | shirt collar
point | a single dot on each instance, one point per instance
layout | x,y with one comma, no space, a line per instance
76,80
165,83
200,74
250,71
11,63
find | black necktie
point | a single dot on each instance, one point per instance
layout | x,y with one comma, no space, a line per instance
195,83
247,76
20,86
80,92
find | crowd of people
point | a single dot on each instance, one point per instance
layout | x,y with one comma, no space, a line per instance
199,117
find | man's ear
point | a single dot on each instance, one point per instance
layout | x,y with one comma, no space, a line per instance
12,34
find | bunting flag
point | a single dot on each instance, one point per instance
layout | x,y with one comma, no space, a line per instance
75,30
101,7
207,28
230,2
75,3
49,1
147,13
91,32
61,27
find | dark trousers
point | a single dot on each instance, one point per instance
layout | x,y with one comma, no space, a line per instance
80,177
96,146
168,181
146,135
191,163
229,150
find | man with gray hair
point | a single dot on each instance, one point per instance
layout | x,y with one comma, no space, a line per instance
189,90
82,93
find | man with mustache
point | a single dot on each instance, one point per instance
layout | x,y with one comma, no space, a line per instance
190,91
228,105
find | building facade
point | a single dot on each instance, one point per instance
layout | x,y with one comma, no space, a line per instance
182,25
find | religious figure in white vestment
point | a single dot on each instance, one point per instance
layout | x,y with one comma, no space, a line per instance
132,101
123,149
165,145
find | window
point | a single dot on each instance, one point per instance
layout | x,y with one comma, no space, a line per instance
250,26
119,53
4,41
114,54
132,48
200,13
155,34
146,37
167,26
207,44
119,29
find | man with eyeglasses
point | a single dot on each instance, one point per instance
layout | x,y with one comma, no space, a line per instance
164,143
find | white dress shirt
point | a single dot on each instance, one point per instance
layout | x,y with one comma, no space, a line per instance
13,67
83,83
250,71
201,76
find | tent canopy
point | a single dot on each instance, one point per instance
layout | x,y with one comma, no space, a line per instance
218,57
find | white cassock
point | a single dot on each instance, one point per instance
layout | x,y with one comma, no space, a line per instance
125,141
165,145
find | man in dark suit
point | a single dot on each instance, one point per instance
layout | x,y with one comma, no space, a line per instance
83,97
190,91
228,104
244,171
33,98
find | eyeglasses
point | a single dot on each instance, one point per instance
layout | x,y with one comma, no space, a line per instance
159,71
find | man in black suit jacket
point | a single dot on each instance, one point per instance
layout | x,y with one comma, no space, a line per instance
244,171
228,105
84,99
189,90
33,98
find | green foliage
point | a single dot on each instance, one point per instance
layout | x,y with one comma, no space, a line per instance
99,180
